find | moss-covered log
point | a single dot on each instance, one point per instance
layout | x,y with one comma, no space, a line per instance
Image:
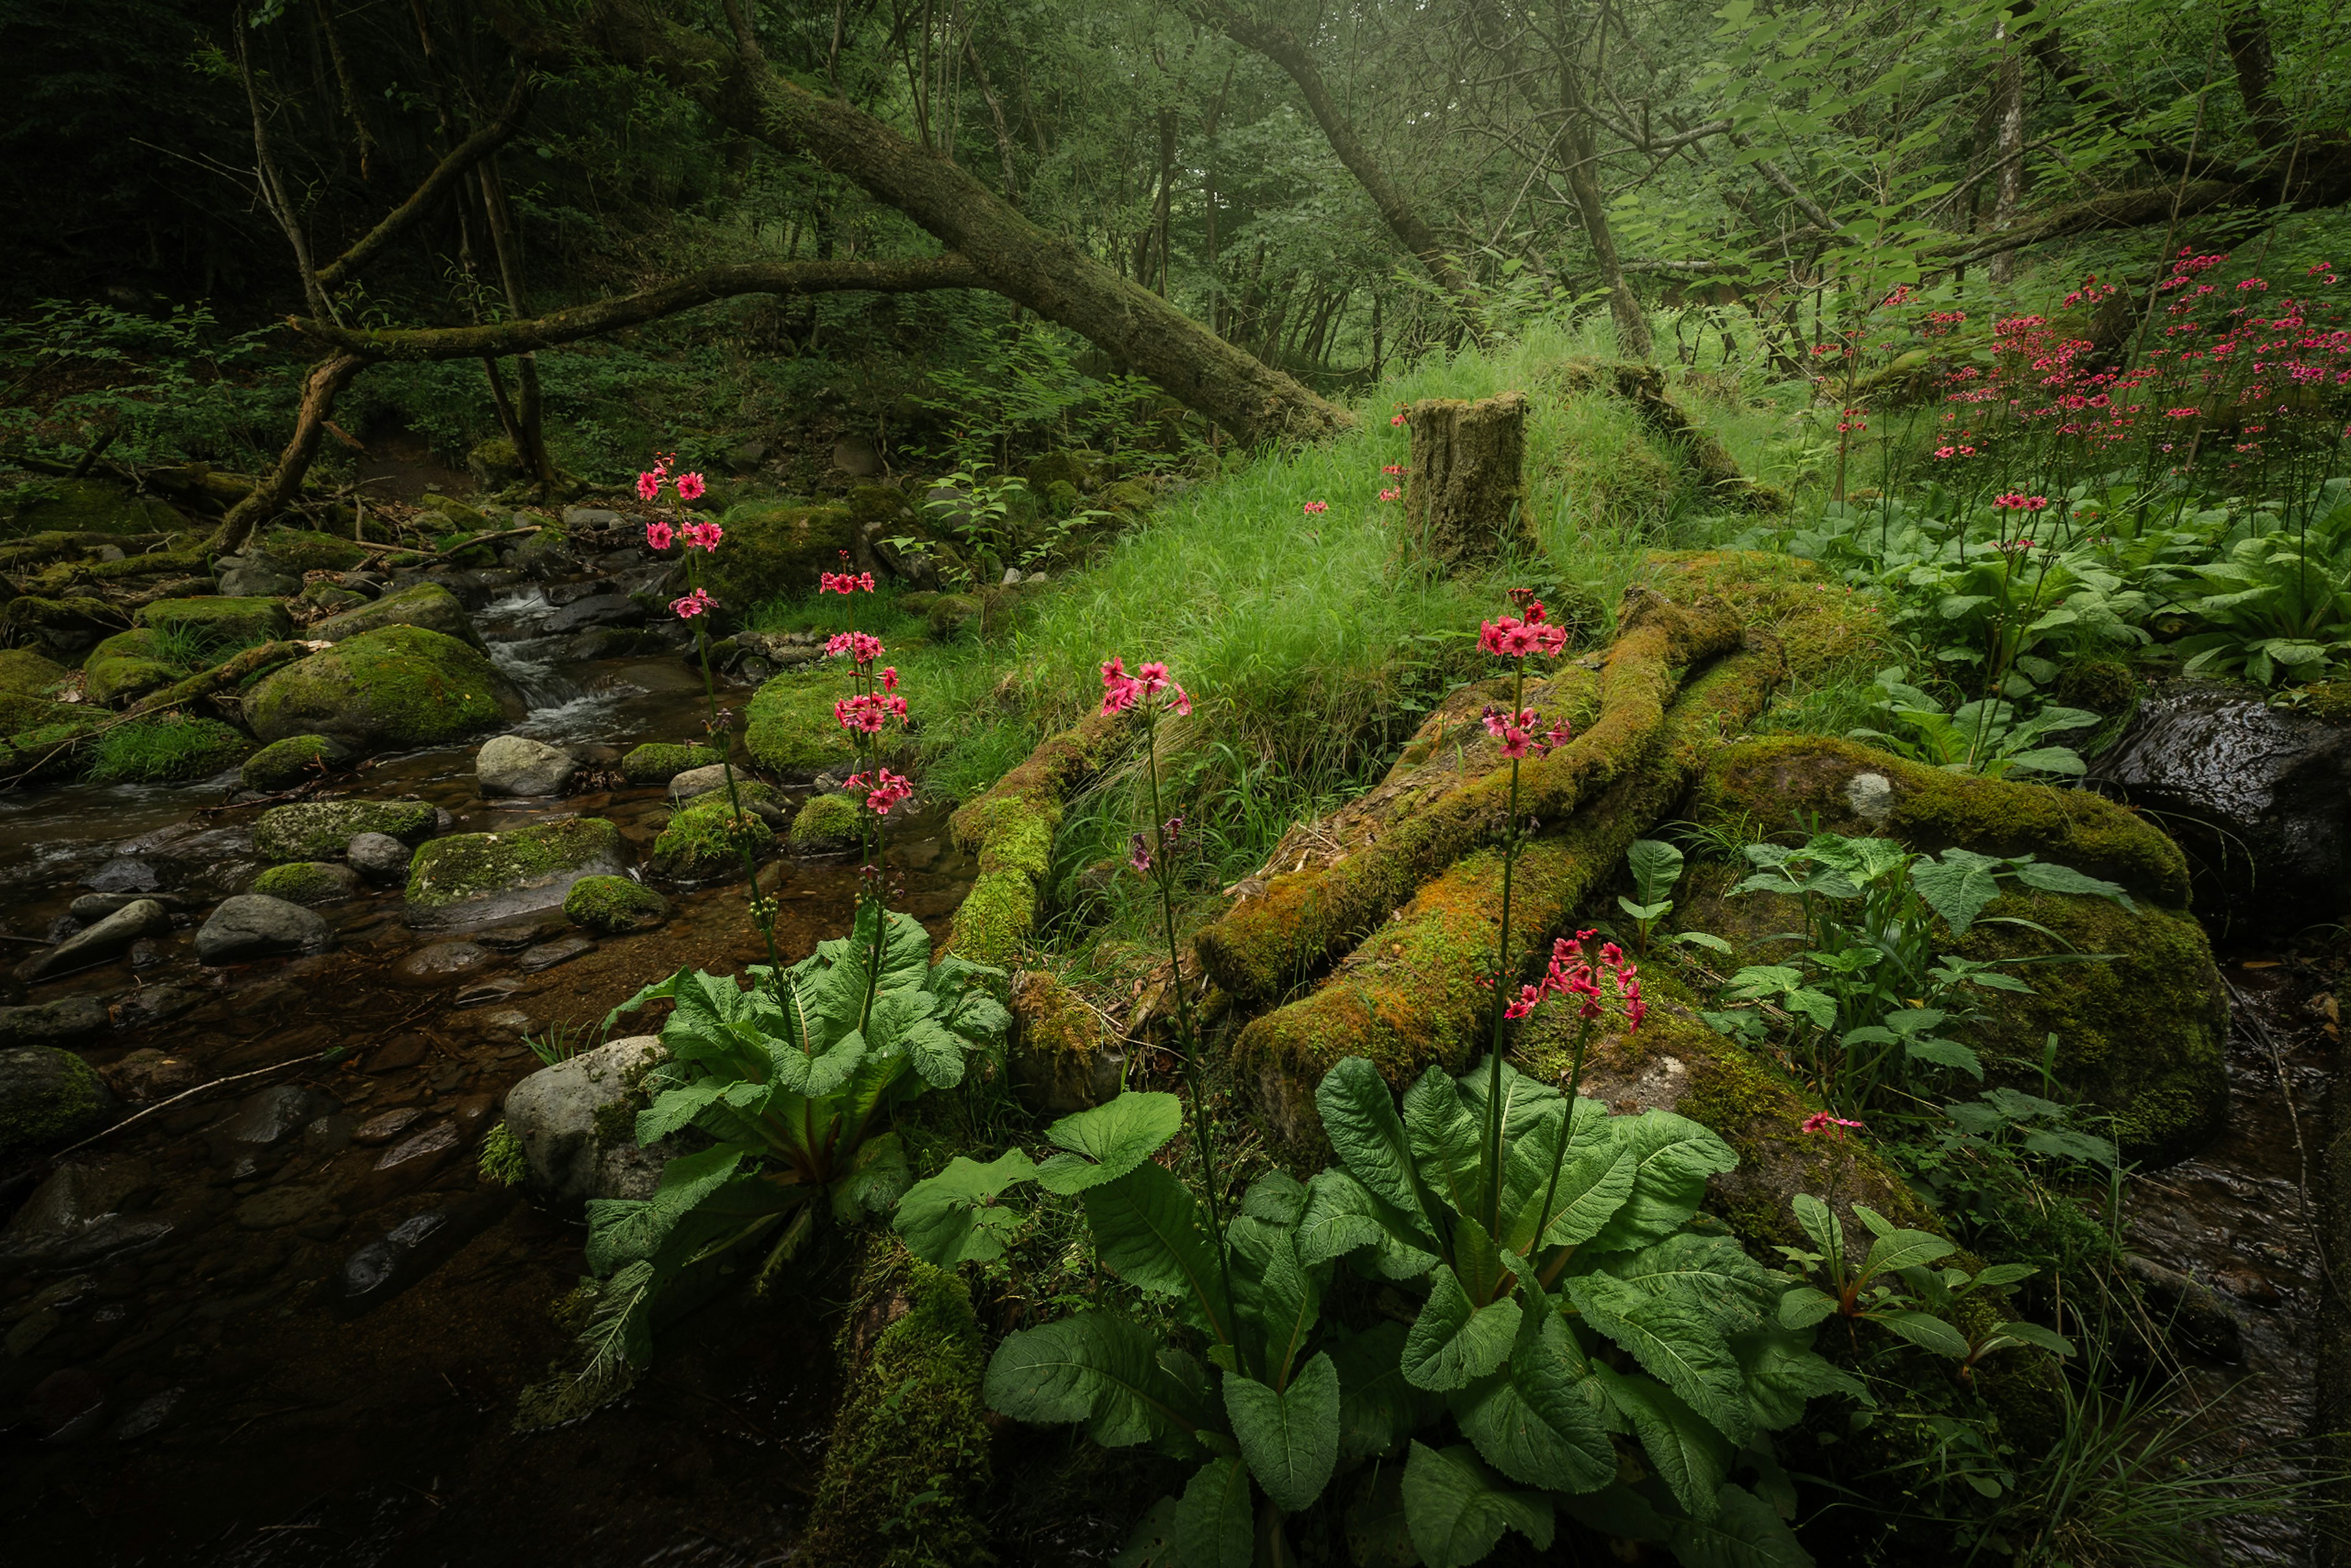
1643,387
1414,992
224,676
1303,920
1011,829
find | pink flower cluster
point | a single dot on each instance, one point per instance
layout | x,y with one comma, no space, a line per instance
1398,419
1852,421
692,605
1396,470
697,536
846,583
860,647
1391,494
1954,452
2018,501
1122,691
689,486
1822,1122
1517,732
867,712
1572,974
1513,637
883,788
1138,848
1316,509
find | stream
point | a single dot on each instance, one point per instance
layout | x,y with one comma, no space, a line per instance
290,1353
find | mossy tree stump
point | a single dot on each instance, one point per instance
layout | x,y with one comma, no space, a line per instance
1465,503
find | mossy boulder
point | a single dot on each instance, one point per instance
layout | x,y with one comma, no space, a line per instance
283,764
476,878
307,882
773,551
394,688
426,605
949,613
86,506
705,839
314,829
878,504
658,762
48,1096
611,905
166,748
828,825
495,464
47,751
25,673
791,730
127,665
305,549
226,625
1064,1058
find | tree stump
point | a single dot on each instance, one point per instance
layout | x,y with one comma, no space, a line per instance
1465,505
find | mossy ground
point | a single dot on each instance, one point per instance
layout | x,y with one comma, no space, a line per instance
307,549
773,551
126,665
613,904
466,866
315,829
232,623
792,729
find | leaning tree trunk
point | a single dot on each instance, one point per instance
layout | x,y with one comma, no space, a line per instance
1465,502
326,379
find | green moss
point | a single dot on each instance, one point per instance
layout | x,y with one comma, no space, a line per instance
949,613
993,923
1021,838
828,824
2107,686
790,729
909,1458
50,1096
397,687
463,867
774,551
1827,629
426,605
165,748
315,830
615,1122
305,881
46,751
705,839
89,505
226,623
2329,700
297,758
126,665
23,671
613,904
877,503
503,1160
305,549
658,762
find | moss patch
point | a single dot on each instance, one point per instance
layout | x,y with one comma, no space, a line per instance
283,764
162,749
1061,1050
23,671
307,882
706,838
503,1160
307,549
993,922
315,830
1827,629
828,824
426,605
658,762
87,506
48,1096
909,1456
126,665
397,687
790,729
773,551
46,751
613,904
468,868
228,623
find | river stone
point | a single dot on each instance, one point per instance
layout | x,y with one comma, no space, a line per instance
126,665
828,824
255,925
548,954
297,760
518,765
68,1021
591,517
2260,798
791,730
614,903
76,1216
313,829
274,1207
444,961
109,938
267,1117
393,688
704,840
146,1075
231,619
379,857
124,874
258,579
428,605
574,1122
474,879
658,762
597,609
308,881
48,1096
695,781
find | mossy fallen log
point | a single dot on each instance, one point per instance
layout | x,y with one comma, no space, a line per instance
1011,828
225,675
1643,387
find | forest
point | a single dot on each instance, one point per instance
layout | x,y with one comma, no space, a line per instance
1176,783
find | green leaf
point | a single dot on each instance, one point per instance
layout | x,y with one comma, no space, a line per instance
1109,1141
1277,1298
1291,1439
1710,1271
675,1108
1782,1371
1819,1222
1688,1453
1924,1330
1343,1215
1512,1431
1379,1407
1944,1052
2051,878
1446,1140
952,1218
1672,1157
1147,1231
1359,1117
1804,1306
1958,886
2035,1335
1552,1374
1657,866
1453,1341
1743,1531
1677,1340
1905,1250
1276,1197
1096,1367
877,1177
1458,1508
1214,1521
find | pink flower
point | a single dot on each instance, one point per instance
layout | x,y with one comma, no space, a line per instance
1183,703
884,788
2180,413
862,713
689,486
1138,853
649,486
860,647
692,605
1397,420
1153,677
658,535
1822,1122
890,678
1393,469
1316,509
703,536
1944,450
1391,494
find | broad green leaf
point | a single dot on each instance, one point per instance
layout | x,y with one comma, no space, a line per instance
877,1177
1446,1140
1711,1272
1994,1275
1359,1117
675,1108
1343,1215
1944,1052
1513,1433
1277,1197
2051,878
1458,1508
1958,886
1109,1141
1821,1223
1677,1340
1379,1407
1672,1157
1153,1544
1551,1374
623,1232
1277,1298
1926,1331
1452,1341
1291,1439
1782,1371
1905,1250
936,1052
1095,1367
1742,1532
1214,1521
1657,866
951,1217
1804,1306
1594,1182
1147,1231
2035,1335
1688,1453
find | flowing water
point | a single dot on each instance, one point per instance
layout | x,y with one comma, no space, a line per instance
299,1357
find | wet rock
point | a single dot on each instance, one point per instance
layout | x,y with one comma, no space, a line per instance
479,878
270,1117
124,666
548,954
1064,1057
505,1027
597,609
147,1416
428,605
68,1405
399,1054
2260,798
417,1155
515,936
774,549
156,1004
256,925
255,579
444,961
147,1075
68,1021
827,825
279,1206
109,938
315,829
48,1096
77,1216
123,875
575,1122
686,786
308,881
707,839
591,517
2189,1309
518,765
658,763
383,1129
611,905
393,689
497,988
560,594
544,555
379,857
92,907
294,760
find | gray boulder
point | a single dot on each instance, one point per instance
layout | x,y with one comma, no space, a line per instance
255,576
313,829
48,1096
256,925
109,938
556,1113
379,857
696,781
518,765
597,609
428,605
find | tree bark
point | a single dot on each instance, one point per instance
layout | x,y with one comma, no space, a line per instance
1011,256
327,378
1465,501
1633,340
2008,88
447,172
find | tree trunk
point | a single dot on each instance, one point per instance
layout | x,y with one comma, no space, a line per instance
1013,256
1465,503
1633,340
2008,88
327,378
